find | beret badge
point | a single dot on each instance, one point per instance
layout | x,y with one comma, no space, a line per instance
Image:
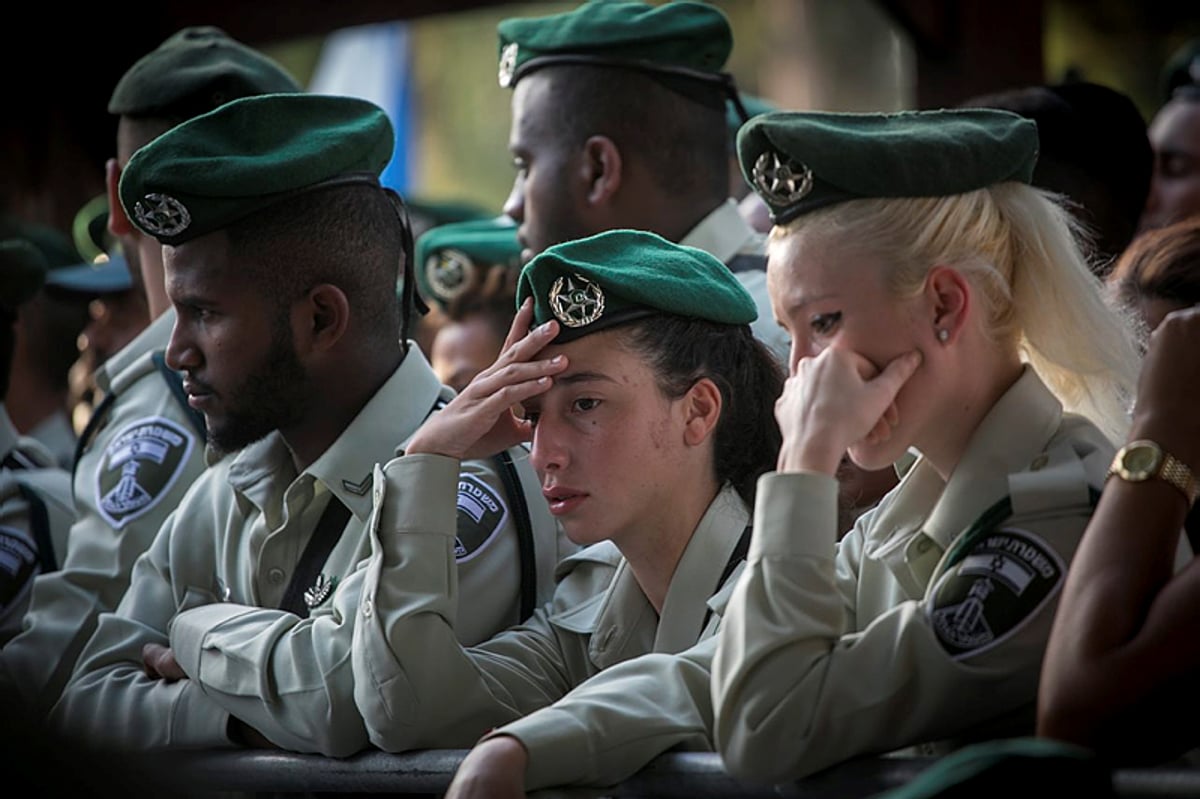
448,273
781,181
508,63
162,215
576,301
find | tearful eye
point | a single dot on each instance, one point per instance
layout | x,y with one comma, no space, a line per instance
826,323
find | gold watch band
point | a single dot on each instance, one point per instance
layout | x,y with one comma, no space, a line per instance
1177,474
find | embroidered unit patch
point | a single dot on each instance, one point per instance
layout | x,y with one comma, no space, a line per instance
139,467
482,513
998,585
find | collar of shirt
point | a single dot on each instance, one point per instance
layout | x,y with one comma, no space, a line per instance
391,416
724,233
156,336
1015,430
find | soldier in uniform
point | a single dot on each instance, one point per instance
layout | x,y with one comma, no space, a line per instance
281,255
144,446
649,403
618,121
1120,668
935,301
35,493
468,272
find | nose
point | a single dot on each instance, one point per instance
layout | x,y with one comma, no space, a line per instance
548,454
514,204
181,354
802,347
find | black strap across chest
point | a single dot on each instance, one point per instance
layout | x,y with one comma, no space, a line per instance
740,550
324,538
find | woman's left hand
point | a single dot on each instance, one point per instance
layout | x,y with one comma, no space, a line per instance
495,769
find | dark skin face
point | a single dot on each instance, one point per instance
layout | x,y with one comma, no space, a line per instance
544,200
1175,186
234,345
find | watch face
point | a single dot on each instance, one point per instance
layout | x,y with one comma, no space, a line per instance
1140,462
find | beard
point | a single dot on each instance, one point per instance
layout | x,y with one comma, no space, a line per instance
274,397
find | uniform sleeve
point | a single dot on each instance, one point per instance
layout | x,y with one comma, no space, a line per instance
95,571
615,723
793,694
109,698
288,678
415,683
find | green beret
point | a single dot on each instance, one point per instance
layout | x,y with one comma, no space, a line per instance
799,161
22,272
621,275
195,70
451,258
217,168
681,37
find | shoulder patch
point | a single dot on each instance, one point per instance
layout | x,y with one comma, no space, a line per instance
139,466
482,513
18,563
1000,582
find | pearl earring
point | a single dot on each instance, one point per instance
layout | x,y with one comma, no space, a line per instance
943,335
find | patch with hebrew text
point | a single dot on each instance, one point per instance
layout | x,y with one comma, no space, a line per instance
18,563
1001,582
482,513
139,466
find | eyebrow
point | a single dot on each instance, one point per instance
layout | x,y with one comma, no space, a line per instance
575,378
799,305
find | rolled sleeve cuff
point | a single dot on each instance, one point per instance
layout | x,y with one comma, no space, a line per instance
412,485
795,515
189,629
559,746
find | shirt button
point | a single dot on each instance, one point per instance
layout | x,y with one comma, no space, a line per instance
276,575
378,494
367,608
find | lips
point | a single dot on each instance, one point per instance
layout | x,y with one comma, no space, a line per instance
562,499
198,394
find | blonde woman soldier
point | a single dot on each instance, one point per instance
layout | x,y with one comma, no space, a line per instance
935,301
648,401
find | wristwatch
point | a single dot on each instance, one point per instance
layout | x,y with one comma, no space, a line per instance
1143,460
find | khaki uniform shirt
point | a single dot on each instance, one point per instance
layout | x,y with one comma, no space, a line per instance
725,234
27,463
133,473
416,687
929,621
211,584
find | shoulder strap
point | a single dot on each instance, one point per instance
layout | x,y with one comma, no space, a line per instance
175,383
740,550
986,523
525,550
324,538
39,522
747,262
89,431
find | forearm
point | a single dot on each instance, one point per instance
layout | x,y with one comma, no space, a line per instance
415,684
110,702
616,722
288,678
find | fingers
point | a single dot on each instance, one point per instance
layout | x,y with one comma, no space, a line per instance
520,324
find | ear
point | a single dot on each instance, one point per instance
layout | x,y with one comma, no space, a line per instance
948,294
702,410
601,168
118,223
323,318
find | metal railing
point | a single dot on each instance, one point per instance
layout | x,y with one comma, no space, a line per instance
669,776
